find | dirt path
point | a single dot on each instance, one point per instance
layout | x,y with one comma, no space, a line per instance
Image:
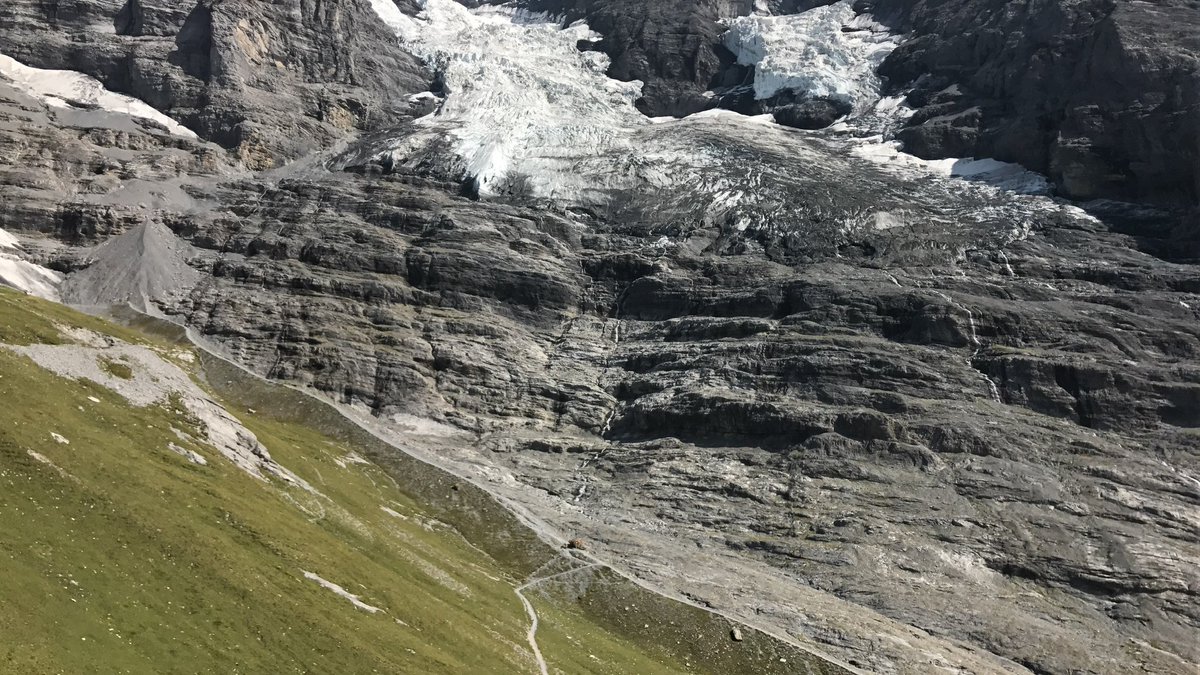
531,635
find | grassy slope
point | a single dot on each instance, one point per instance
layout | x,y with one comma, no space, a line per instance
124,557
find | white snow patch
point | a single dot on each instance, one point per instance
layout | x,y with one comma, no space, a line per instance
827,52
28,277
424,96
8,241
67,88
390,14
1002,175
338,590
894,105
59,438
23,275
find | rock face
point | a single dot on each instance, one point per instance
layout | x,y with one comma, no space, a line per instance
673,47
963,436
811,114
272,81
1101,95
1018,432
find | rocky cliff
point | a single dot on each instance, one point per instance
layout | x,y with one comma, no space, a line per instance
272,81
921,422
1100,95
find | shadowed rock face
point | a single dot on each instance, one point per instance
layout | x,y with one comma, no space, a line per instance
1100,95
921,446
673,47
271,80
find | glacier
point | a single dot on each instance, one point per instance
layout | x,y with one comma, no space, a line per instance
525,113
827,52
521,100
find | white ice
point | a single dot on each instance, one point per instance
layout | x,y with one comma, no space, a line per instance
522,99
66,88
8,241
524,106
827,52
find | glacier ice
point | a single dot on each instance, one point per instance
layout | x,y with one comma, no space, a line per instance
525,112
827,52
521,98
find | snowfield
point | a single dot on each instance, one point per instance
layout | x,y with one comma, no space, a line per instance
1003,175
23,275
67,88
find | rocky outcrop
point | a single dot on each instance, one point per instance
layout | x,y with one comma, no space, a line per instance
673,47
811,114
1101,95
1015,432
272,81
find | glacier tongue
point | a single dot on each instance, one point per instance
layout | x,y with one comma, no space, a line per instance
827,52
